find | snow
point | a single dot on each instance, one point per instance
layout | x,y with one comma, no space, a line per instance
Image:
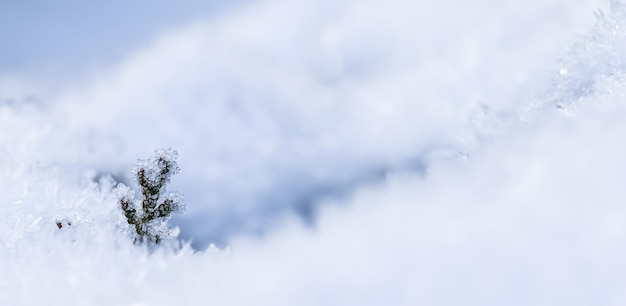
336,153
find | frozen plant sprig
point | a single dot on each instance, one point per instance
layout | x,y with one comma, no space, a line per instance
148,216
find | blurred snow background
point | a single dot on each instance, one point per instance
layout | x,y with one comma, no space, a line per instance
337,152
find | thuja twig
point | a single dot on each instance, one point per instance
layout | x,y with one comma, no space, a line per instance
149,215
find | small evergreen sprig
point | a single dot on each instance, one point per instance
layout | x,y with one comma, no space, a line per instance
149,215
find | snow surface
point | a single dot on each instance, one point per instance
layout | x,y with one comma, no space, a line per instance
336,153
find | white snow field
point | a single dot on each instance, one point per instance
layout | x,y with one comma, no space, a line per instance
331,153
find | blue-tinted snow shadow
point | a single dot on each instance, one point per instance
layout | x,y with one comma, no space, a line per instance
291,195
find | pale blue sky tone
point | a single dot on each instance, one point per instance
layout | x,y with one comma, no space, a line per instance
51,37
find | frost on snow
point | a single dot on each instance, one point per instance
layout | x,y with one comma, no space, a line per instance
149,215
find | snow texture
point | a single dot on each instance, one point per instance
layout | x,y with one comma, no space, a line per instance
332,153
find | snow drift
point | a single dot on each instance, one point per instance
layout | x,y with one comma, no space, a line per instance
438,153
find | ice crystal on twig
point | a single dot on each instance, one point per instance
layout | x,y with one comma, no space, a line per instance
149,215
